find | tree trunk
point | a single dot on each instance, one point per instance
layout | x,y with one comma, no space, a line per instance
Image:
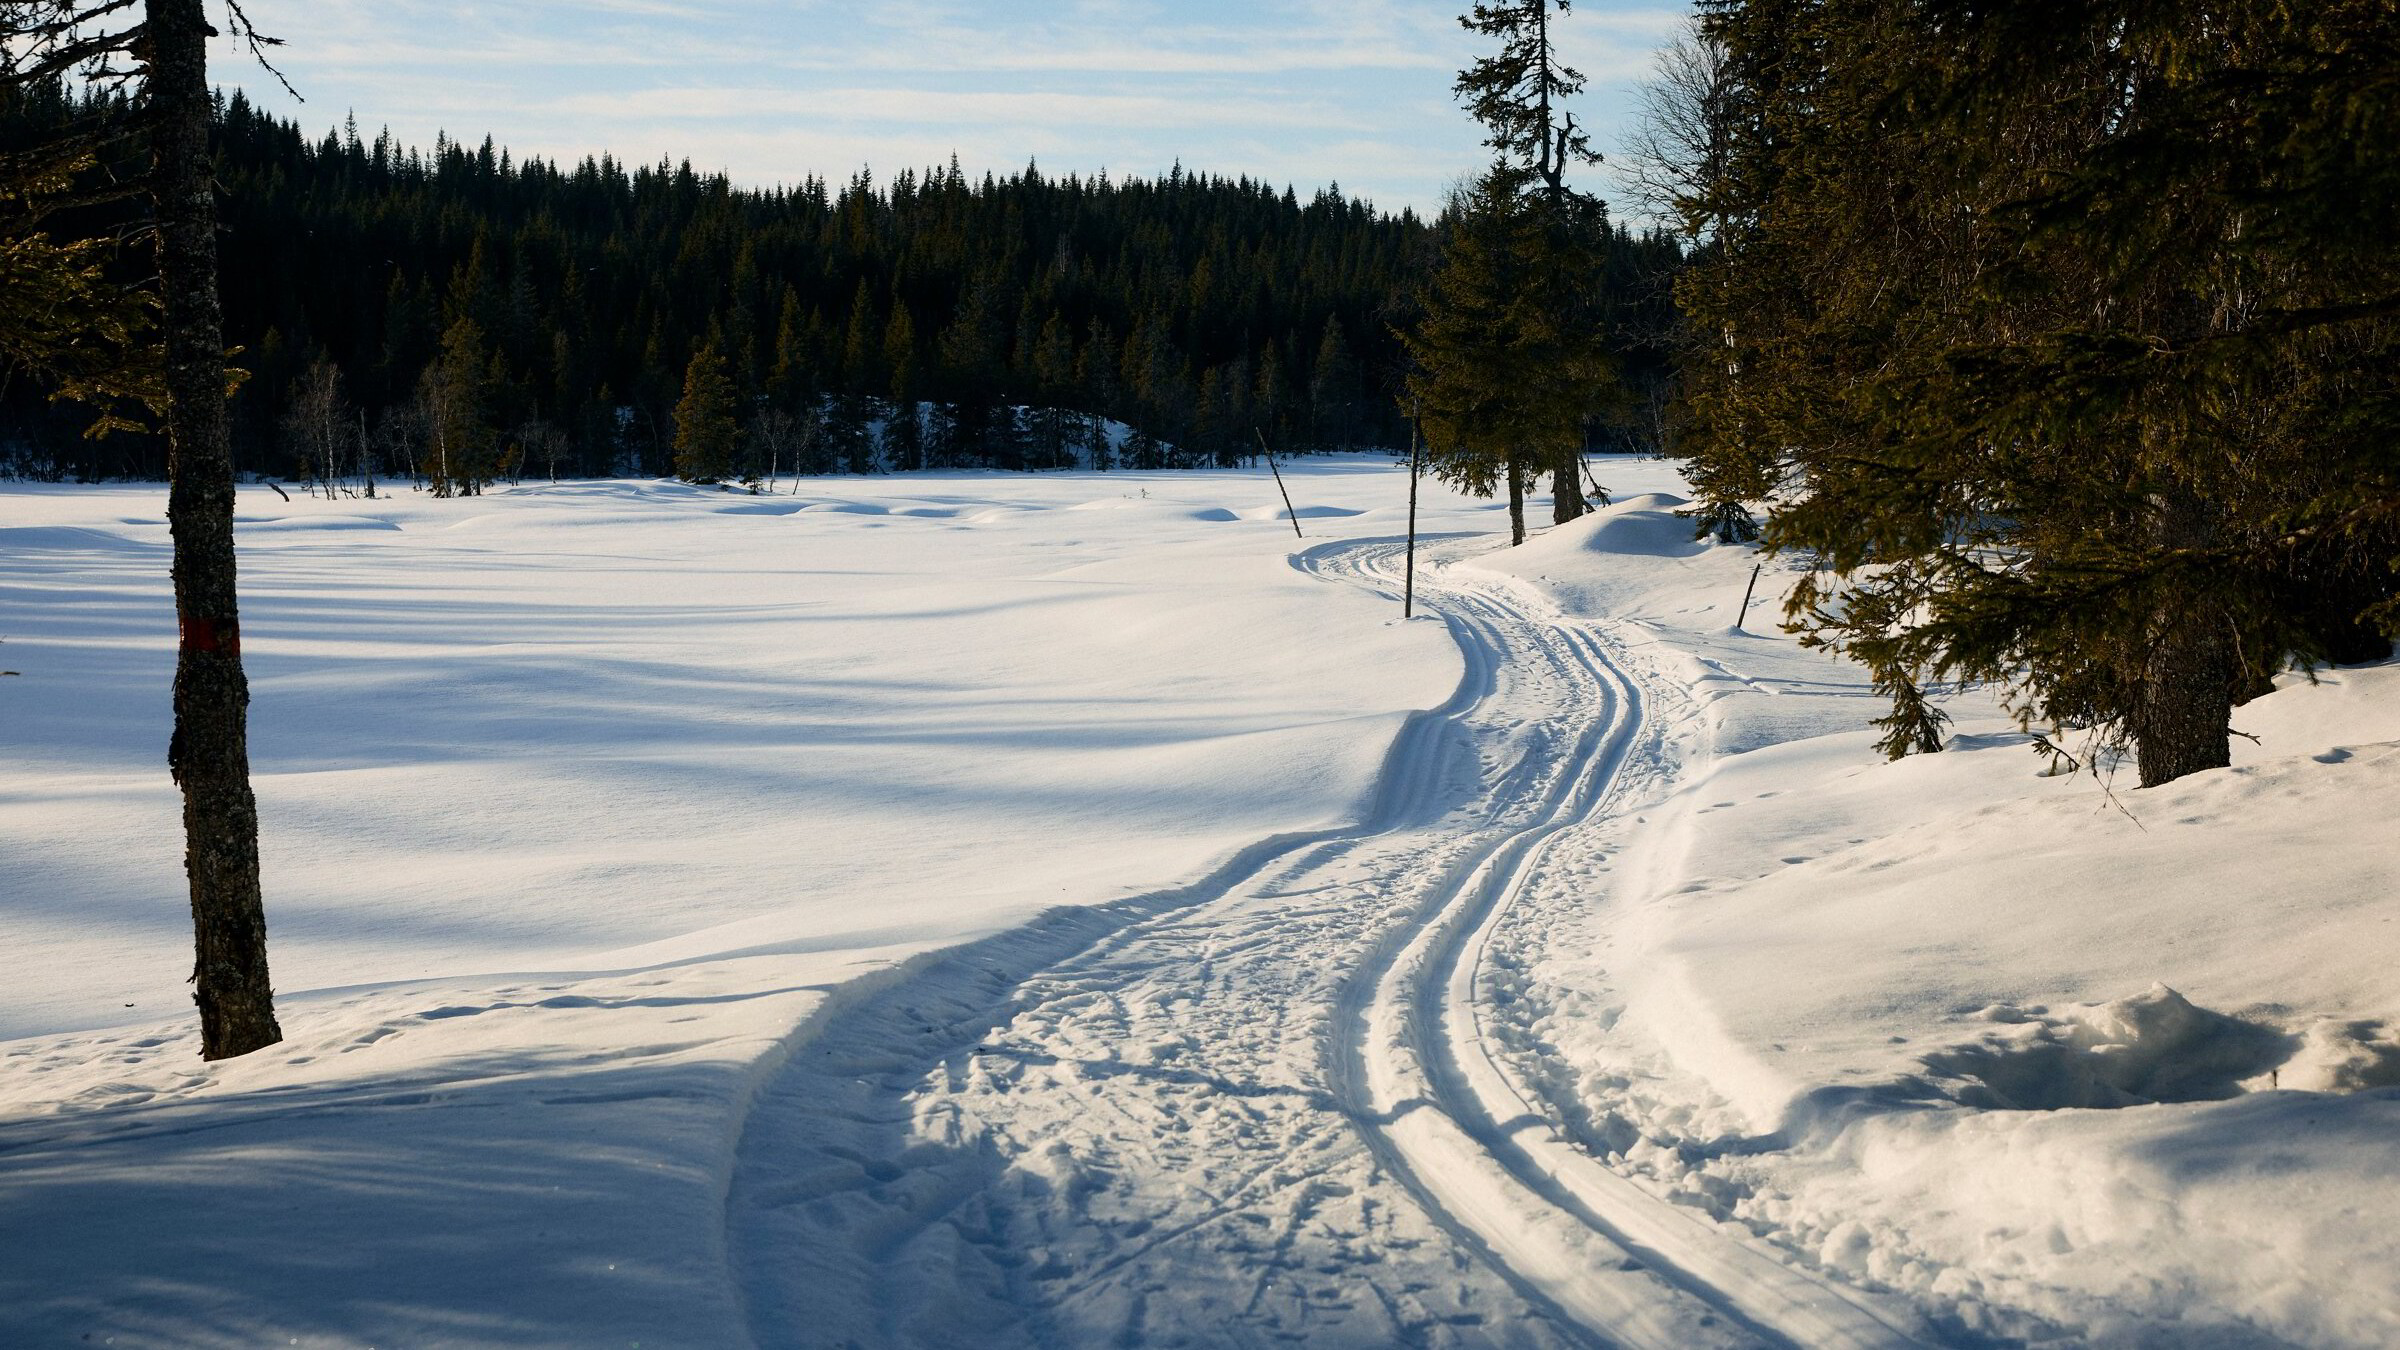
2184,705
209,756
2186,698
1566,492
1516,502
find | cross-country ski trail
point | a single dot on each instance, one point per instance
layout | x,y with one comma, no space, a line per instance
1265,1108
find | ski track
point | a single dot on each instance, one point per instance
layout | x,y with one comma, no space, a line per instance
1264,1109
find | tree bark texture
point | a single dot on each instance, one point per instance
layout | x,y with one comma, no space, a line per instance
2184,704
210,754
1516,502
1566,492
2186,698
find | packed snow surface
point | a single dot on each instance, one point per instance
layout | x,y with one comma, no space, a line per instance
1068,909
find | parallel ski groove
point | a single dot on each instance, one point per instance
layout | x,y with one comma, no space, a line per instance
1462,1080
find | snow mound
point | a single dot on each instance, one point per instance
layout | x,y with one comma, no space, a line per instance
1643,525
2339,714
1300,513
2344,1055
2154,1047
1870,1012
255,525
68,539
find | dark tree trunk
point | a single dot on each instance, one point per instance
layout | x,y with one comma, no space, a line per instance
2186,698
210,755
2183,708
1566,492
1516,502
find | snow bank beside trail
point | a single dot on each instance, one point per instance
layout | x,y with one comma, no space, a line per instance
2174,1015
2265,1220
2063,1066
1836,916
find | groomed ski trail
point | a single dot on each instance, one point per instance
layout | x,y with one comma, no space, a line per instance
1259,1109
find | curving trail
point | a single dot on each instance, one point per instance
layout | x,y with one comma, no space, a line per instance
1264,1108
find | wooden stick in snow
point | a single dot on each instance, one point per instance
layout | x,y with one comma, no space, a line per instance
1408,591
1746,590
1279,487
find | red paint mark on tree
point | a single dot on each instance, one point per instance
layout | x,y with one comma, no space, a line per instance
208,636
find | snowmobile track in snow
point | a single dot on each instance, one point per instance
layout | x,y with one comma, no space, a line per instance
1261,1108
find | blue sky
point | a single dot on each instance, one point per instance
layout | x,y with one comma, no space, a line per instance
1299,91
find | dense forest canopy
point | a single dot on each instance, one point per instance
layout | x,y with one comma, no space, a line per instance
561,306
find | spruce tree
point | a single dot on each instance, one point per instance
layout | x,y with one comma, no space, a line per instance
1518,92
1520,278
454,397
1505,376
904,429
592,284
62,317
707,433
846,436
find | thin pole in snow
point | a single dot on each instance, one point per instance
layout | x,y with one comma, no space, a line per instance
1746,590
1279,487
1408,592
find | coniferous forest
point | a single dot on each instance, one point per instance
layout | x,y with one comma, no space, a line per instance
464,316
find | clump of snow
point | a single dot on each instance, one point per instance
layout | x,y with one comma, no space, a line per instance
2151,1047
2261,1220
2339,1054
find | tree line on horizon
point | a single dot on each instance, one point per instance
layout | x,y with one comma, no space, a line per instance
462,316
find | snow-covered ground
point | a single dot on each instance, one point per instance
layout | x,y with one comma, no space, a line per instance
1061,910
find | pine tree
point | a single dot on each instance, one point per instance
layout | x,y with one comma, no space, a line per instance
707,433
454,398
848,443
1516,300
1503,381
904,429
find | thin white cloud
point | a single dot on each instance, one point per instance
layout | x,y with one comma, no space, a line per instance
1305,91
918,107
